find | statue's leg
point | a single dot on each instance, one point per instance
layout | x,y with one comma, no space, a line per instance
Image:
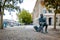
42,28
39,29
46,26
36,28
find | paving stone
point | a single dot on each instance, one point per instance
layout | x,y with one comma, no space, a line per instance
18,33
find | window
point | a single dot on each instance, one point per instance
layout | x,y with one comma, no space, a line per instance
56,19
44,11
50,21
50,11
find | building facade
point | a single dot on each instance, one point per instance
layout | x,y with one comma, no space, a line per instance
40,8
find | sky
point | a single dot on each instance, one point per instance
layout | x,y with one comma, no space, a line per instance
27,5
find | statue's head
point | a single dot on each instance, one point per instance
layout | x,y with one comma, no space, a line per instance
41,15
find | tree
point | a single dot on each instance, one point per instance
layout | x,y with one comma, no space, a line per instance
55,4
24,17
9,5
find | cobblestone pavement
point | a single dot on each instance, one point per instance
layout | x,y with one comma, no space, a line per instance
26,33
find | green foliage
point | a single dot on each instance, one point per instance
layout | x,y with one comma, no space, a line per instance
55,4
24,17
10,5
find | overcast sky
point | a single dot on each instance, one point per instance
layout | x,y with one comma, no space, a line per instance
27,5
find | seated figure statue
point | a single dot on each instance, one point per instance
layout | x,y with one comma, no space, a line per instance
42,24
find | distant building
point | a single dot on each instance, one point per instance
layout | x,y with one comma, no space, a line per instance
10,16
40,8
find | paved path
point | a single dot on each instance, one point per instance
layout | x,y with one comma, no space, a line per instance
28,33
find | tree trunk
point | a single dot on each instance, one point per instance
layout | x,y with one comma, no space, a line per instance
1,20
1,17
55,21
55,17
